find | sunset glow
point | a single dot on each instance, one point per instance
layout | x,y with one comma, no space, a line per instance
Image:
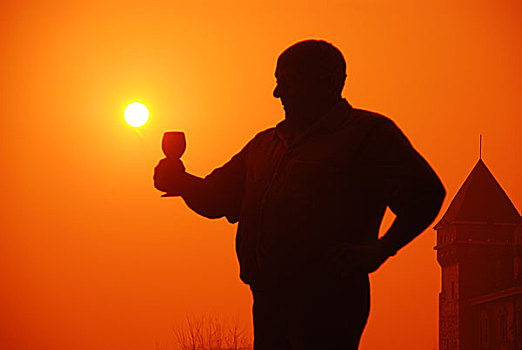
136,114
92,257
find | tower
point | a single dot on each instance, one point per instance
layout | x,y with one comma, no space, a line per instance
479,251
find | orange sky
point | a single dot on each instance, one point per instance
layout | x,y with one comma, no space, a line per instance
92,258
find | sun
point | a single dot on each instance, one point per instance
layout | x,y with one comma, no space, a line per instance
136,114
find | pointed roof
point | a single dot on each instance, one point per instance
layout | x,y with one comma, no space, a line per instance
481,199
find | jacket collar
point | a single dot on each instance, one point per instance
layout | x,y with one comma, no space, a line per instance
330,121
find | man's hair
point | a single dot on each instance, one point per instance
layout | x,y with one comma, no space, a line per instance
316,59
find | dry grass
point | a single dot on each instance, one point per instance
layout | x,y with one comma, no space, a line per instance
211,333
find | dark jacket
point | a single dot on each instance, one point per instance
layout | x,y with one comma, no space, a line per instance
296,198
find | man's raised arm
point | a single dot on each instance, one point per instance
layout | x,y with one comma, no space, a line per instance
218,194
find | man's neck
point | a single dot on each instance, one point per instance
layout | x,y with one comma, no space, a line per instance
308,116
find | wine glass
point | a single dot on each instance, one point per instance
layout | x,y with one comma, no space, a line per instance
173,145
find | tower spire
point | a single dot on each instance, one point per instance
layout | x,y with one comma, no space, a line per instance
480,147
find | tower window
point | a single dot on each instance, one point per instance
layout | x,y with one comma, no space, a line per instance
518,322
503,327
484,331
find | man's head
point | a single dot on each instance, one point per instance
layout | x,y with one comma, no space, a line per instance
310,75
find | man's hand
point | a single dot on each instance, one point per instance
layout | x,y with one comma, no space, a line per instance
350,259
168,176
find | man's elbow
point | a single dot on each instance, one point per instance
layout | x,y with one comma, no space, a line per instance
439,195
432,202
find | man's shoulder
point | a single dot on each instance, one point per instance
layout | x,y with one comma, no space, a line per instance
265,133
374,123
356,124
263,136
379,130
369,118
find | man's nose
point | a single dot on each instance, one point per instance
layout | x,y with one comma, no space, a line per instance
276,92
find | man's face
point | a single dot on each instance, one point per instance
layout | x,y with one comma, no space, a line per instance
293,90
299,93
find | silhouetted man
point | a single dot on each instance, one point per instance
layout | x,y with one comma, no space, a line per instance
309,196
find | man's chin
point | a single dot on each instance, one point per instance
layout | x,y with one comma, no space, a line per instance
293,114
291,117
